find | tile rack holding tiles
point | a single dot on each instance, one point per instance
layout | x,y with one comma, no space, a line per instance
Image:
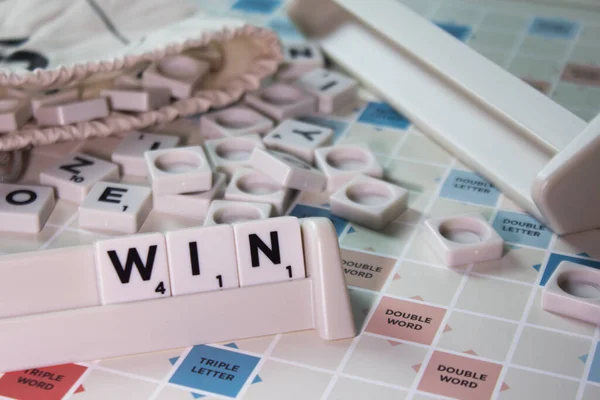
162,291
523,351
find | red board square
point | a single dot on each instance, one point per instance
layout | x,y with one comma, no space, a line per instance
47,383
460,377
405,320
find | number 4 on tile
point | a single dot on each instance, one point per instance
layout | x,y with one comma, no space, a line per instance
269,250
133,268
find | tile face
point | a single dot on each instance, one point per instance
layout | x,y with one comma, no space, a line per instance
298,138
179,170
288,170
364,270
552,351
195,264
406,320
269,250
192,205
115,207
385,361
522,229
333,90
281,101
459,377
215,370
479,336
25,208
47,383
522,384
130,152
132,268
299,58
74,175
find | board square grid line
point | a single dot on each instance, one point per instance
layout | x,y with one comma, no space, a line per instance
338,373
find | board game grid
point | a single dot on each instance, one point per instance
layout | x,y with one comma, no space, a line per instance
426,331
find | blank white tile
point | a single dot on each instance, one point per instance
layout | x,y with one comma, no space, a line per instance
115,207
288,170
250,185
333,90
70,113
202,259
234,121
48,280
137,99
343,163
280,101
228,212
129,155
269,250
192,205
132,268
25,208
228,154
179,170
298,59
75,174
299,138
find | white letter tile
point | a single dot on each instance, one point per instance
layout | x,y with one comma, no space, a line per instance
132,268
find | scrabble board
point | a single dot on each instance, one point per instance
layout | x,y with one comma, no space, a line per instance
426,331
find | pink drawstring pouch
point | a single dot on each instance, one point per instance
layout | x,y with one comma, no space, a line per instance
89,45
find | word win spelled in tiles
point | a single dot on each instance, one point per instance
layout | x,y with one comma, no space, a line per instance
132,268
269,250
75,174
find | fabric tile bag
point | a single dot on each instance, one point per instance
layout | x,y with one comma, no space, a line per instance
52,46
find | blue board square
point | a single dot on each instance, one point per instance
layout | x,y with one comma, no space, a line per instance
554,28
304,211
285,29
381,114
594,374
461,32
469,187
256,6
215,370
556,259
522,229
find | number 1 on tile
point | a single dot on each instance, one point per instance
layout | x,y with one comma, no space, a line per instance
269,250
